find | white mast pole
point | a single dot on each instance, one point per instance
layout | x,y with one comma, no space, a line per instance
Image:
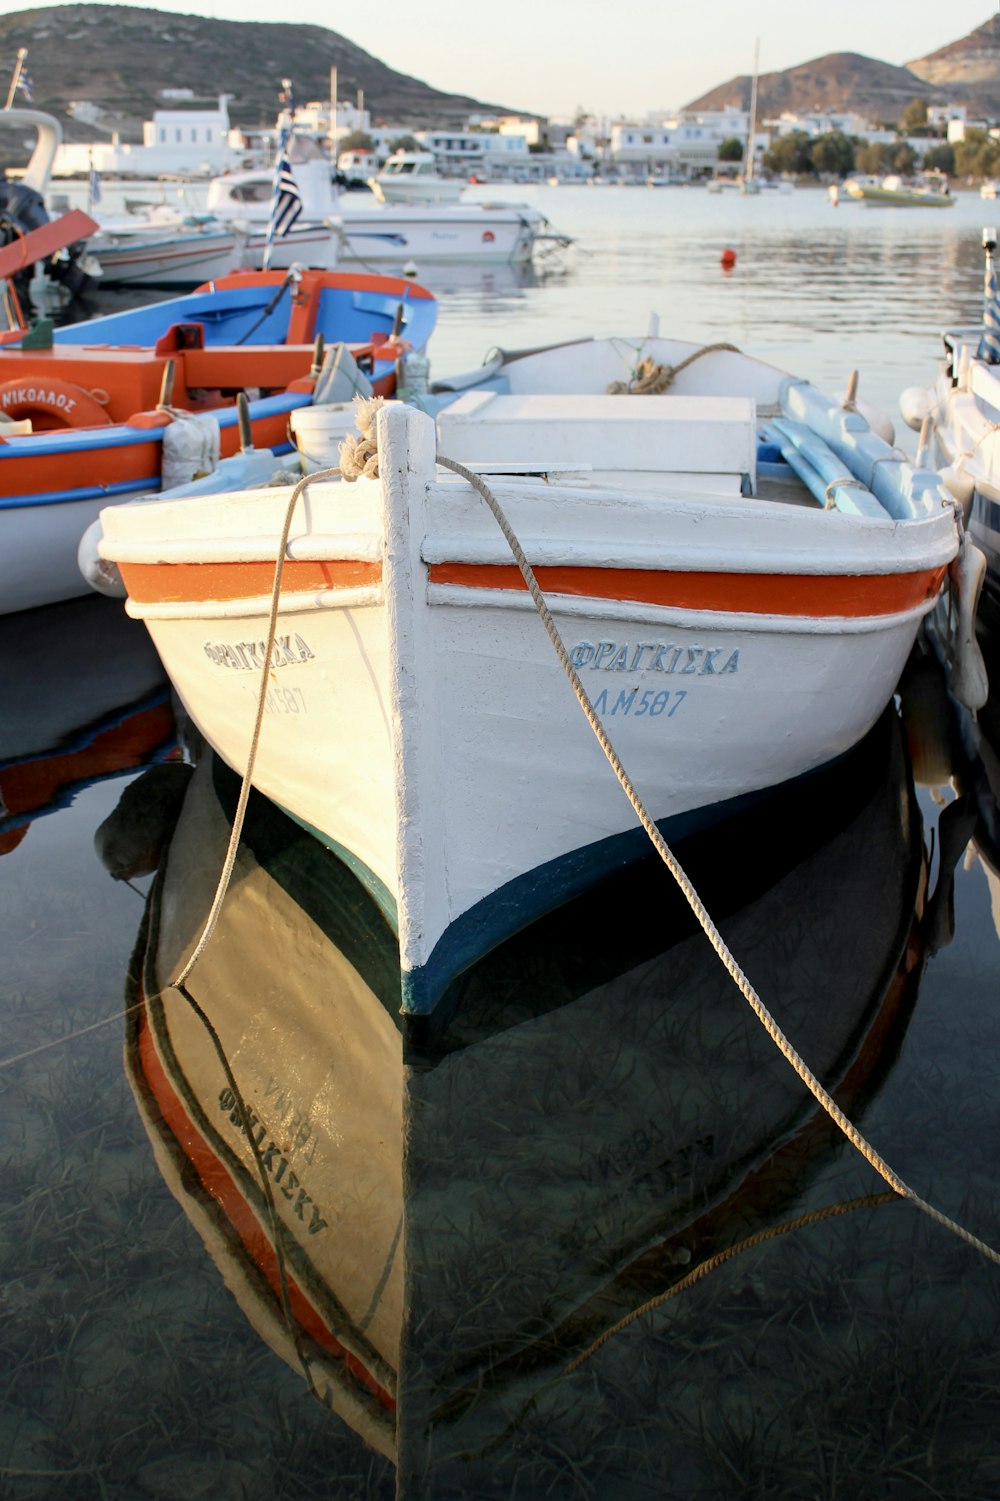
748,174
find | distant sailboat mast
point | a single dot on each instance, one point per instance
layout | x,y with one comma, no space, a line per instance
748,174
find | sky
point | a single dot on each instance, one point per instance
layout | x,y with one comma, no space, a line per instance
612,57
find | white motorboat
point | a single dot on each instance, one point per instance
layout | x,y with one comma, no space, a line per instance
371,232
413,177
743,537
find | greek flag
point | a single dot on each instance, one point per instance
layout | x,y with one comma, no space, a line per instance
989,344
95,186
24,86
286,203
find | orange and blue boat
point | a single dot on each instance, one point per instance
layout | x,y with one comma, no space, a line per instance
86,412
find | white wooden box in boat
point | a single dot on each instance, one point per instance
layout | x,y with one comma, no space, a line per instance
667,435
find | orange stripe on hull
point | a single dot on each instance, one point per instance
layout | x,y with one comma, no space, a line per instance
53,473
811,595
739,593
171,583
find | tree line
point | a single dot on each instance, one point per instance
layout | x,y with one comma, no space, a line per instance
837,155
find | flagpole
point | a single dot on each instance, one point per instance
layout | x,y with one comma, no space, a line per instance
22,53
286,200
272,221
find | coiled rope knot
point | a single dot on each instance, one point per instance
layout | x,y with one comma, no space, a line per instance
651,379
359,456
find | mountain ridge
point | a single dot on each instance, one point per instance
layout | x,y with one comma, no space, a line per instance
964,72
135,53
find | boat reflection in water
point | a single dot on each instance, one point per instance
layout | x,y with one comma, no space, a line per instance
433,1239
956,756
84,697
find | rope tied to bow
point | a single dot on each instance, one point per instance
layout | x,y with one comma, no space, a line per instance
359,455
651,379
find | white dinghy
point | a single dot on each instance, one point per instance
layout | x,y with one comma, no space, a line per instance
736,569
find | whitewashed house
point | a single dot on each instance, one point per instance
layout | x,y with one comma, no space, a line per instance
185,142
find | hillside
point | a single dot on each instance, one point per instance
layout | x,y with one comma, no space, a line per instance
965,72
120,57
838,81
968,70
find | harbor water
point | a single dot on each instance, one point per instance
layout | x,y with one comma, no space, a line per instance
603,1244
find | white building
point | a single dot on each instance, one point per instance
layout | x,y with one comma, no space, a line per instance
958,128
188,142
684,146
829,122
943,114
314,119
476,152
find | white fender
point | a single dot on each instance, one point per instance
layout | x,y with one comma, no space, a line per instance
914,405
969,682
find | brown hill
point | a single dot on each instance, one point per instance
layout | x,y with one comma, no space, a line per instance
838,81
120,57
974,59
968,70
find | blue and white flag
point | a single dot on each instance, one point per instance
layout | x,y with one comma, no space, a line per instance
95,186
989,344
286,202
24,86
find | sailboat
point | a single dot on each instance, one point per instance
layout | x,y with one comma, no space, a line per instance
749,183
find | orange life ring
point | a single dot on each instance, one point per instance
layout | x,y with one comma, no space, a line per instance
51,402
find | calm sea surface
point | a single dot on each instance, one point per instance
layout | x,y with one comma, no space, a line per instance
605,1246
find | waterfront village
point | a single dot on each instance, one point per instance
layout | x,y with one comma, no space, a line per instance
192,138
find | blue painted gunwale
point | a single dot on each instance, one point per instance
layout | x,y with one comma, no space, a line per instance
98,439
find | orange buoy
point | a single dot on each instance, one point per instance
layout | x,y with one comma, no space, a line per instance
727,259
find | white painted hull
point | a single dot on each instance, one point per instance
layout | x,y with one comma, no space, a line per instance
184,261
38,552
408,232
965,440
418,718
312,245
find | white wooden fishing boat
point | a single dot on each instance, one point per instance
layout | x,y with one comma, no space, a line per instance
958,416
98,415
165,249
738,610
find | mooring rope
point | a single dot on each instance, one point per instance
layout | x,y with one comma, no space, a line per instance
241,806
697,1273
361,457
739,978
651,379
711,1263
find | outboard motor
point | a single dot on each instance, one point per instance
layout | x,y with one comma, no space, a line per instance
22,209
